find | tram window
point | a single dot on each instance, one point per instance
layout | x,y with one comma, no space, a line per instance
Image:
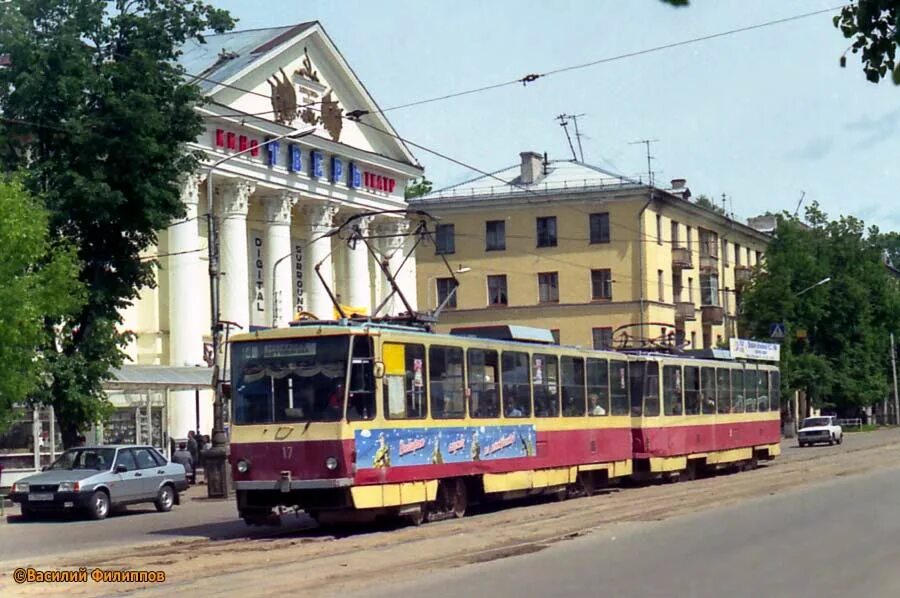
572,370
707,391
651,390
762,394
723,390
618,387
445,377
545,381
749,390
644,383
483,398
737,391
361,396
404,381
598,386
672,390
691,390
775,392
516,384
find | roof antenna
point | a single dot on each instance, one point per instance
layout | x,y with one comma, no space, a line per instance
546,164
799,203
564,123
578,135
647,143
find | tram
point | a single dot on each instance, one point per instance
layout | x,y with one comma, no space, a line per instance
364,418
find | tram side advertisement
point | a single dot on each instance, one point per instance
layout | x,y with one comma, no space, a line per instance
398,447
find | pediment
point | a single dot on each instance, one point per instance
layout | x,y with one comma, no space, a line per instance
298,78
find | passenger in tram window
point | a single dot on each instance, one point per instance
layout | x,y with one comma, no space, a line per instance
513,410
596,407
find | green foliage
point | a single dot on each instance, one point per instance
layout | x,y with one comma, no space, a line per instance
705,202
873,27
418,188
38,280
676,2
98,115
843,361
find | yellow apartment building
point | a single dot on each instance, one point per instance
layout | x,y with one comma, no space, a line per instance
597,258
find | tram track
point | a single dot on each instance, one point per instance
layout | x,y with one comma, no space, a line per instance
335,562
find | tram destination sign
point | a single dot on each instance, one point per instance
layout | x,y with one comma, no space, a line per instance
742,348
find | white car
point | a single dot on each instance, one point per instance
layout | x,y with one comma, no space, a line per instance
823,428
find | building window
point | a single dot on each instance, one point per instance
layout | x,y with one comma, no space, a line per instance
659,229
737,254
675,236
709,289
690,234
555,333
758,257
677,286
600,228
602,338
694,340
548,287
601,284
446,239
709,243
495,235
444,286
546,231
690,290
497,289
724,252
660,283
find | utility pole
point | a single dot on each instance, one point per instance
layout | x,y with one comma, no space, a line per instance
647,143
894,368
564,123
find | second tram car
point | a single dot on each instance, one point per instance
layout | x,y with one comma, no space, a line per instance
370,418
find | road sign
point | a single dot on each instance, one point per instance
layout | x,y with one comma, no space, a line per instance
776,330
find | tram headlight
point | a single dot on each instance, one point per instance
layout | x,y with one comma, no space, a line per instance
243,466
331,463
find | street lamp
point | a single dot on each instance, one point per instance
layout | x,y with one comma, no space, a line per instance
214,458
811,287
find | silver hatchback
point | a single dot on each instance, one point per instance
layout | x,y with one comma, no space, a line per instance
98,478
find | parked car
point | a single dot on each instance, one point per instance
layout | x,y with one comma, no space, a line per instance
98,478
823,428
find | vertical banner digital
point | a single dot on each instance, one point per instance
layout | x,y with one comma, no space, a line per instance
297,263
258,308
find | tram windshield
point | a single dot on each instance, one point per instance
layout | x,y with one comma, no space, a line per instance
295,380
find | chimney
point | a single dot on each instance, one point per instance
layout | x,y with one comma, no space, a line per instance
532,167
678,183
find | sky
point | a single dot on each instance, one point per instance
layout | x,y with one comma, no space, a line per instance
762,116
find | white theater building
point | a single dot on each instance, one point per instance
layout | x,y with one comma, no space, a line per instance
273,204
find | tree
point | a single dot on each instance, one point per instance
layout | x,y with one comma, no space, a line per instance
873,27
38,280
97,113
418,188
705,202
838,333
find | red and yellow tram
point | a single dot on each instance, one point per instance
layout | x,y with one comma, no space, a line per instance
384,419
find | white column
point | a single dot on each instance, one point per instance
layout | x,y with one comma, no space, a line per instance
234,280
188,321
392,243
278,279
359,293
318,220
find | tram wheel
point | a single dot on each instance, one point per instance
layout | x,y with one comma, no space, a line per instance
418,516
690,472
460,499
588,484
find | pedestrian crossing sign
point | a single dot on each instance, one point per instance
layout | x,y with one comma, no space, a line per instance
776,330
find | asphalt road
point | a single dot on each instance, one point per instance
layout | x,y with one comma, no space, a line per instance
195,518
838,538
217,519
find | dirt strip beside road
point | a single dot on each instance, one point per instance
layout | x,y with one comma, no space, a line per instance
318,563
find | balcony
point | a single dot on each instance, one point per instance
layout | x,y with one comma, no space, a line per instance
685,311
712,314
742,274
709,263
681,258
